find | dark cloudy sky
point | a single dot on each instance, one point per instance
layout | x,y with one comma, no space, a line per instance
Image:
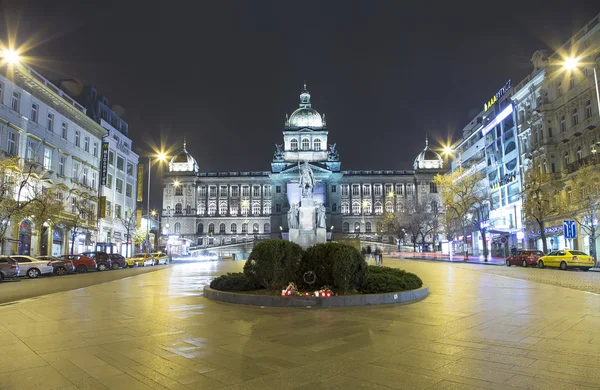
224,73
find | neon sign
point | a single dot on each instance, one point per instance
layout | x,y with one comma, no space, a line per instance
497,96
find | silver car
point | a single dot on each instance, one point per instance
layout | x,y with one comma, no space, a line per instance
9,268
60,266
32,267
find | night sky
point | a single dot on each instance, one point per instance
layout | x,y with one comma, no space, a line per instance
223,74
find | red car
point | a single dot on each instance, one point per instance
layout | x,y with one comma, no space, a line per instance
525,258
81,263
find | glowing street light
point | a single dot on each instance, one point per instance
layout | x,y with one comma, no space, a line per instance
11,56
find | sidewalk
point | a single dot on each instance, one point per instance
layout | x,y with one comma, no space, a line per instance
446,258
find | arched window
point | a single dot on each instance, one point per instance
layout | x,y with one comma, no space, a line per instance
356,227
559,90
233,228
566,160
345,208
368,227
389,207
579,155
356,208
588,109
345,227
188,210
294,144
366,207
563,124
317,145
212,209
177,228
178,208
305,144
378,208
222,228
266,209
434,205
178,191
223,208
255,228
575,117
200,228
267,228
256,209
211,228
244,228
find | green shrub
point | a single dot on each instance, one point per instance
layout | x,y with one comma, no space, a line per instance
386,279
274,263
233,282
339,266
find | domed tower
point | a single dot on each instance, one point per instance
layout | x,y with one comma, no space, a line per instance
428,159
305,138
183,162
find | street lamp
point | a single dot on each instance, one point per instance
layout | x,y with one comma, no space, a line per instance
160,157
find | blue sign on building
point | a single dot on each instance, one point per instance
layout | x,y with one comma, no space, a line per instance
569,229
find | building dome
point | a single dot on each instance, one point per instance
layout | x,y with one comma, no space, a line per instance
183,162
305,116
428,159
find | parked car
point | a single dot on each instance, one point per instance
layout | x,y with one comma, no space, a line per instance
117,260
9,268
160,258
82,263
140,259
525,258
102,259
60,266
567,258
32,267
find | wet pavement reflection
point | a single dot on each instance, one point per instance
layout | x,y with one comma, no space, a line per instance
481,327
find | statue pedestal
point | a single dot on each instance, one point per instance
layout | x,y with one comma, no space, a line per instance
307,233
308,238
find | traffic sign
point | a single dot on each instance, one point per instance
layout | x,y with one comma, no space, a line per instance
569,229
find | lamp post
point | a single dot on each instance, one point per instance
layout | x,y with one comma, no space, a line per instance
245,209
161,156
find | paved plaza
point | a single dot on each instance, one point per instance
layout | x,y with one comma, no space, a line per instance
481,327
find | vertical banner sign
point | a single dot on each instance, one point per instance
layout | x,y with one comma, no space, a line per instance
104,163
102,207
138,218
140,183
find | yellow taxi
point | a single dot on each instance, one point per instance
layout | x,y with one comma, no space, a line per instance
141,260
160,258
567,258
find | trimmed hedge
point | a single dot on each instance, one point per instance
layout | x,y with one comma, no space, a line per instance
274,263
386,279
339,266
233,282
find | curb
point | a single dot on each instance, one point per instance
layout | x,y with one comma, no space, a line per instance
409,296
453,261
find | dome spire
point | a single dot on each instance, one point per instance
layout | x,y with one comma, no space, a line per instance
426,141
305,98
184,145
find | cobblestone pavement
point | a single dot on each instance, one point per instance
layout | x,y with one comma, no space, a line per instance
575,279
476,330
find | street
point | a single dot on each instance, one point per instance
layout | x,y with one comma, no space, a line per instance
23,287
480,327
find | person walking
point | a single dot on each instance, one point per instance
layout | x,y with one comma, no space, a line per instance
368,250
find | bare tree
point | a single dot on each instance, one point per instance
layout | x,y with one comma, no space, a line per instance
540,200
585,202
82,218
130,225
18,181
462,196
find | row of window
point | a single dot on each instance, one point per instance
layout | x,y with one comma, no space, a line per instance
378,189
233,228
118,211
368,227
119,186
235,191
305,144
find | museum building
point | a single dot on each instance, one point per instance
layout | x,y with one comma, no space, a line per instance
208,209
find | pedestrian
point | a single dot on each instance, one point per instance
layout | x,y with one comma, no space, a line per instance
381,258
368,250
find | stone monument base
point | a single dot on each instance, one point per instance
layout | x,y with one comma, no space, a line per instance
308,238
